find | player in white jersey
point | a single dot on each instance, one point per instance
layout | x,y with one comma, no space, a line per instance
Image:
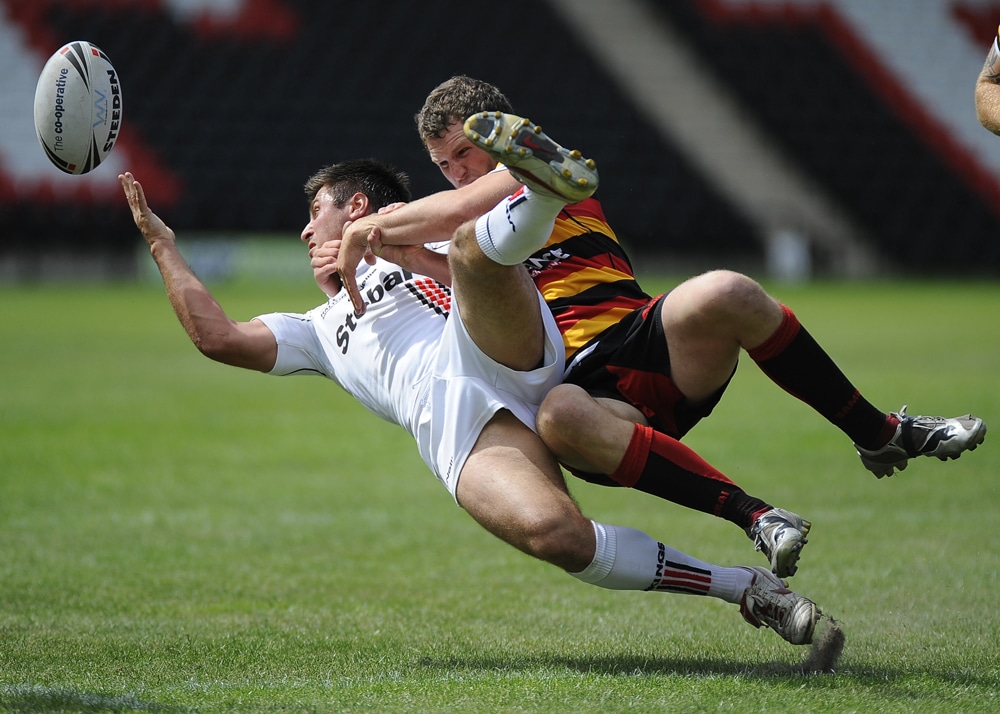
449,381
464,383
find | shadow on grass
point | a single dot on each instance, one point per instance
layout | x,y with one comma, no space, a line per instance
615,665
32,698
878,678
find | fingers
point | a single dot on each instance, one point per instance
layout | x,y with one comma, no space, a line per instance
149,224
353,250
326,253
133,193
135,197
374,245
323,260
127,182
349,282
391,207
331,277
329,283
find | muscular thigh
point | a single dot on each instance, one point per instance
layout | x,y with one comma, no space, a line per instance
513,486
498,303
702,357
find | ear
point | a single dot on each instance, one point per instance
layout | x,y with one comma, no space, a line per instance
359,206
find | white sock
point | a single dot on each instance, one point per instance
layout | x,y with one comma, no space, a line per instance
517,226
628,559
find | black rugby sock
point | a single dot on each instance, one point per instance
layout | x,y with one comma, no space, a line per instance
796,363
661,466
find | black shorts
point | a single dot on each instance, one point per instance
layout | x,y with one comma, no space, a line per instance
630,362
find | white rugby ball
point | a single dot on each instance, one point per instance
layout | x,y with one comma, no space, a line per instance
78,107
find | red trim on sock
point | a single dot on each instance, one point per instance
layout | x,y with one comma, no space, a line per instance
780,339
634,461
685,457
646,440
682,580
888,431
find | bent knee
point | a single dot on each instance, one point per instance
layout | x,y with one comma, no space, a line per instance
561,412
718,296
464,251
726,287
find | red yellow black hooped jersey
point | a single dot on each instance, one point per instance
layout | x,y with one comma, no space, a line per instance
585,276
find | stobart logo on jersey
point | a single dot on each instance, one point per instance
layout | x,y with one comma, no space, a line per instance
383,283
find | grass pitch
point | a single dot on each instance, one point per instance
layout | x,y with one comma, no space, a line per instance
179,536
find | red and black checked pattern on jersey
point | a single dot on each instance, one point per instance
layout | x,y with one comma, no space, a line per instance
432,294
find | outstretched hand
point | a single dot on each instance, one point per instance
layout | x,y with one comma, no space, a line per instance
149,224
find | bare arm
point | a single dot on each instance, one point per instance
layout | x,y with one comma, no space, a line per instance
988,91
436,217
414,258
240,344
426,220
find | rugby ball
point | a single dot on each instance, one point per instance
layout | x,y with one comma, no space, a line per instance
78,107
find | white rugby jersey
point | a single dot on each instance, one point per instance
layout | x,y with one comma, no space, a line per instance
372,356
407,362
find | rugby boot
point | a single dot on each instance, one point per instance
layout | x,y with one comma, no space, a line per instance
769,603
532,156
924,436
780,535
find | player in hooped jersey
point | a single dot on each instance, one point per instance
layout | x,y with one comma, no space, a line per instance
627,400
462,371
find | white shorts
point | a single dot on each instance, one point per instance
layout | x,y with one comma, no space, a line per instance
467,388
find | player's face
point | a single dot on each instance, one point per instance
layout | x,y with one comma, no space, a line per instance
459,159
326,220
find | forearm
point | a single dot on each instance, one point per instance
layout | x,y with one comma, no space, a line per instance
436,217
241,344
198,311
433,265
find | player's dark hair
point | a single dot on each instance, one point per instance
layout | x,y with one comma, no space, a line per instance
455,100
381,183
